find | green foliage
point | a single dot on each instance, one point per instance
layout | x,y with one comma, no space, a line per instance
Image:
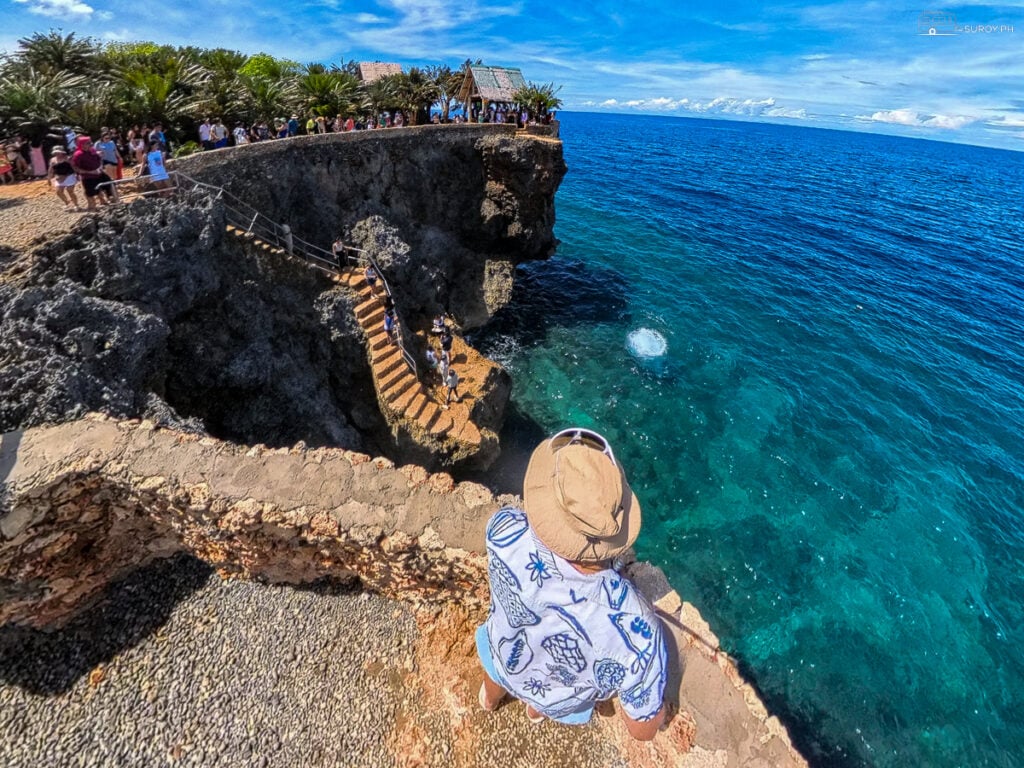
186,149
449,85
538,100
266,66
32,102
54,80
53,52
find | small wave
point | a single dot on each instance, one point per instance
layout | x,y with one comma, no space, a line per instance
646,343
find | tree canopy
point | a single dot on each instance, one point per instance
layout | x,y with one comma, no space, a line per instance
54,79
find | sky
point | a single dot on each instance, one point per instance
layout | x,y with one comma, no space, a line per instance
865,66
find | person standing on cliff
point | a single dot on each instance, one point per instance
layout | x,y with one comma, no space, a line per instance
205,133
88,164
566,629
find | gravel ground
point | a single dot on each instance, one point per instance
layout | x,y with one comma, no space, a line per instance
30,210
179,667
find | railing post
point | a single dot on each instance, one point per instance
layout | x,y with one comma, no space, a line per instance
252,224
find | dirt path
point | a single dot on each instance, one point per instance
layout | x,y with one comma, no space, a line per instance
31,210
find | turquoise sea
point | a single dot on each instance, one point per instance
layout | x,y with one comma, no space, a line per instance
830,451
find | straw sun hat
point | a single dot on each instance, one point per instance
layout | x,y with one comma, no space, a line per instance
577,498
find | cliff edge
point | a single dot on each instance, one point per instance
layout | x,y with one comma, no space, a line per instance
87,502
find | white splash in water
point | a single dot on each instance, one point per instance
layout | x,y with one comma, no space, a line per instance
646,343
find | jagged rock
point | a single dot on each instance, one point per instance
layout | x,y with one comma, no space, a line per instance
152,311
449,210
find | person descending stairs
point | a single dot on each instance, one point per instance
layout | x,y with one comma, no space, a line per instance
398,389
400,393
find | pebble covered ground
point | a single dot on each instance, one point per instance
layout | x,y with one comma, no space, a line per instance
177,667
180,667
30,210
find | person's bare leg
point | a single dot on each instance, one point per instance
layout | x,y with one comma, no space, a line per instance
493,693
62,194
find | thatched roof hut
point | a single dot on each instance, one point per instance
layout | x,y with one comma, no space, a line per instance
369,71
490,84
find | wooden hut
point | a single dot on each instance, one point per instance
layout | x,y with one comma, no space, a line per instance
489,86
369,71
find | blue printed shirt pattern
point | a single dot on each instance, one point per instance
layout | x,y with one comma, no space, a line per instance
562,639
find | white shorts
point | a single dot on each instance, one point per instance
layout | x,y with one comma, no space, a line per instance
69,181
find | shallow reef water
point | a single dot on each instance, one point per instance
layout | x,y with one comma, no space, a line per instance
828,449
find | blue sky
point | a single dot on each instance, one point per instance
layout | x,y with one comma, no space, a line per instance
850,64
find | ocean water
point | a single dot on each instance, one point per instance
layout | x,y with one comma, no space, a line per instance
820,408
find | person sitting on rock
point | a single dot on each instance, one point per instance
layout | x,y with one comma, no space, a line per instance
566,629
438,326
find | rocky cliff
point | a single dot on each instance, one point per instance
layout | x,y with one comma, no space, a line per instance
152,311
447,211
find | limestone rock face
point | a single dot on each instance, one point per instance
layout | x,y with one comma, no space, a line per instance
152,311
447,211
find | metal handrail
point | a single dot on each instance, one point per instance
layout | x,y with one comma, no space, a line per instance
277,235
121,197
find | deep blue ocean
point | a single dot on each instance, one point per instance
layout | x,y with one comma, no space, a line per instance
830,451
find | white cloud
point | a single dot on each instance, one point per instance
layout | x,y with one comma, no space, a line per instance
719,106
914,119
368,18
795,114
57,8
897,116
949,122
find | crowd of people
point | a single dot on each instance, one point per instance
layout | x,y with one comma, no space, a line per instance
214,134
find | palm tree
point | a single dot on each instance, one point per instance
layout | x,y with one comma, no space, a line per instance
449,84
381,94
52,53
98,105
538,100
327,93
415,92
164,96
33,103
263,98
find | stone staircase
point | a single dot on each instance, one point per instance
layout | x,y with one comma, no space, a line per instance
399,392
254,241
402,397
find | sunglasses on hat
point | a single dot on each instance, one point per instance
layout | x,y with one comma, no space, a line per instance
579,436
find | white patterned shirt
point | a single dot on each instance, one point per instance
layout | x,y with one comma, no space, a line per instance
561,639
